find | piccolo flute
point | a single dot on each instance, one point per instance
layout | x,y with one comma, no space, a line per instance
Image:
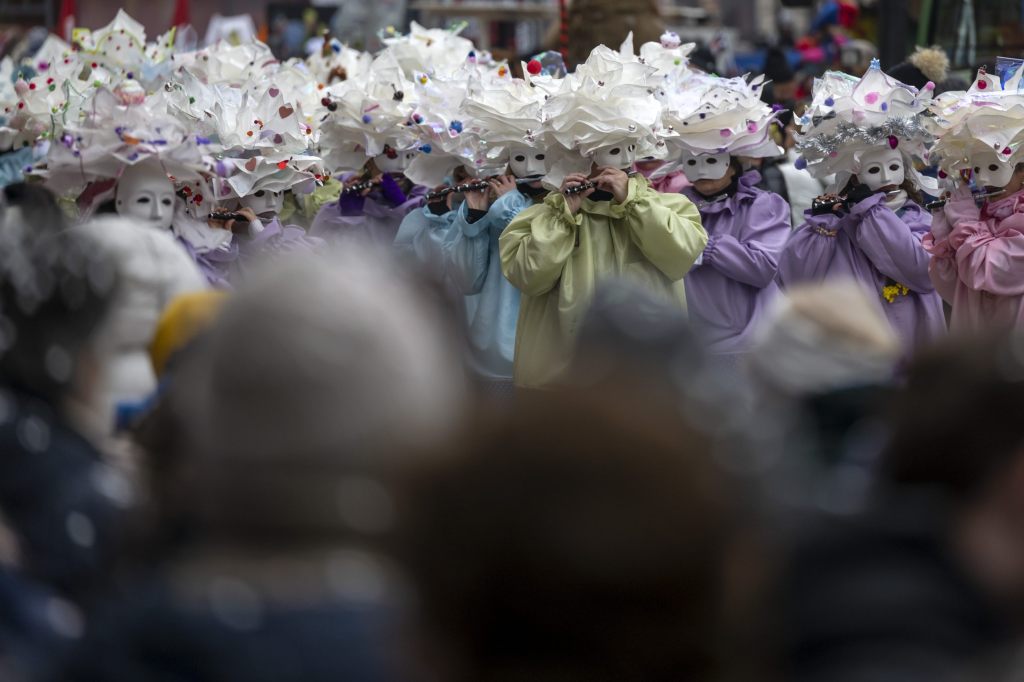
478,186
822,206
357,187
225,216
939,203
589,184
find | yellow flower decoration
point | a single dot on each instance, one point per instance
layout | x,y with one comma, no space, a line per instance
892,291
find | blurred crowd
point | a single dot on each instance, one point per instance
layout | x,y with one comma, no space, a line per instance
436,373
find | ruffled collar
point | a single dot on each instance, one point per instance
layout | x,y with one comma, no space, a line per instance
746,189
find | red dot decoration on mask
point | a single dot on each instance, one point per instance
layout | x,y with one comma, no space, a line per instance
533,67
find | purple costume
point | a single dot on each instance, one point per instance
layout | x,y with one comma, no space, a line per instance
276,238
216,264
881,249
375,218
727,294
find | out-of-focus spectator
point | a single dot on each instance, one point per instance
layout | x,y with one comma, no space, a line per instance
607,22
781,88
926,64
182,322
930,578
317,381
577,536
821,370
824,337
154,270
856,55
62,503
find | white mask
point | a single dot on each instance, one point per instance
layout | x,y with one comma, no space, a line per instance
882,168
704,166
264,203
526,162
990,171
145,194
619,156
394,164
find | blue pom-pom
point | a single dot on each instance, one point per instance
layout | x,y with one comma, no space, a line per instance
885,106
367,118
472,54
829,102
800,163
426,149
456,126
336,46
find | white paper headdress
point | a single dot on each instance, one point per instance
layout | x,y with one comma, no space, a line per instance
608,100
712,115
359,118
431,50
112,136
987,117
850,115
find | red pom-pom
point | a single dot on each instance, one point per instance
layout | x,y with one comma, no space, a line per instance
982,85
534,67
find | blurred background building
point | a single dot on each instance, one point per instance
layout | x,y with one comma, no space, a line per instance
814,34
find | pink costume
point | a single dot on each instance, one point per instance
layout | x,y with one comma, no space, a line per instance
978,261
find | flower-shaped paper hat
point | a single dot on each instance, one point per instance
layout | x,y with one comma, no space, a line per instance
433,50
360,117
503,113
112,136
608,100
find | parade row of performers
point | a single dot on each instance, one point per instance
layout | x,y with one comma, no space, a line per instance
528,259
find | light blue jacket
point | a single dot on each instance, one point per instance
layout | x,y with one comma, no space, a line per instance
473,265
422,236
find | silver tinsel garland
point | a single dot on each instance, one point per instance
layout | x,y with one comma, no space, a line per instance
811,146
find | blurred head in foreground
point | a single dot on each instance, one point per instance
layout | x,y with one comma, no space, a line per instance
316,379
958,433
56,288
824,337
576,537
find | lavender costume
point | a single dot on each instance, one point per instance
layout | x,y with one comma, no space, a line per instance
215,264
275,239
881,249
375,218
728,292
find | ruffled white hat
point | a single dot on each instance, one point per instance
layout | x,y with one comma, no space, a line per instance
338,62
502,113
712,115
360,117
609,99
849,116
987,117
431,50
113,136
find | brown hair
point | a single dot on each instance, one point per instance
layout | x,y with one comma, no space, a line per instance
574,536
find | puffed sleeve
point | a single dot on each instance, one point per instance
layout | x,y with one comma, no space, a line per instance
942,268
468,254
753,257
990,257
422,236
810,249
537,243
892,243
665,227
